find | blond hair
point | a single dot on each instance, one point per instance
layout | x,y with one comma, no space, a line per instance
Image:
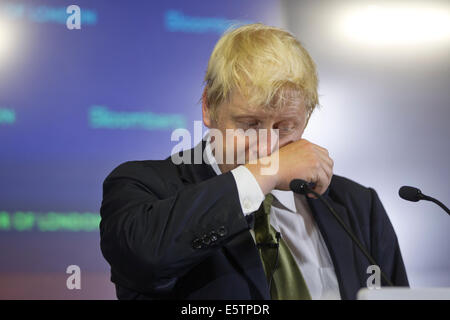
268,65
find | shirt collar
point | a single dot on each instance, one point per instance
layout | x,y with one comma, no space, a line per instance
285,198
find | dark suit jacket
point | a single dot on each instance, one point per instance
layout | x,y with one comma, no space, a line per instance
178,232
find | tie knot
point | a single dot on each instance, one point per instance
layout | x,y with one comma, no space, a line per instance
259,221
261,224
267,203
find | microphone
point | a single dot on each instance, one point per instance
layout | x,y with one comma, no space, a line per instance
414,194
303,187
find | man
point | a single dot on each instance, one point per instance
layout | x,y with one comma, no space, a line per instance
227,230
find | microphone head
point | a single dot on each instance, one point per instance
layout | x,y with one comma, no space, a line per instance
410,193
299,186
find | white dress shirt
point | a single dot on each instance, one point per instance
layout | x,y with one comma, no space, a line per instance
291,216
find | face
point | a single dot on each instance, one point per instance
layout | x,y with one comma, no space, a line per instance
290,120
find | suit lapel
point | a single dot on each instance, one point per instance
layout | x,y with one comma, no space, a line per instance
241,249
339,244
246,257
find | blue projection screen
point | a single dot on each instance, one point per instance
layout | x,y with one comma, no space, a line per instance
75,103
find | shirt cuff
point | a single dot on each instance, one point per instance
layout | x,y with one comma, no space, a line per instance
250,193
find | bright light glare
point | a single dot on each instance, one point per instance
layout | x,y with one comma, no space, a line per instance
376,25
7,41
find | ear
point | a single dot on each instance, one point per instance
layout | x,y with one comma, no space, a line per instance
206,111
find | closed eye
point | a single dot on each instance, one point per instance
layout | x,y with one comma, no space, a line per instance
286,127
249,124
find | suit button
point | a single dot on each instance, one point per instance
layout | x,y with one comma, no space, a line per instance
213,236
222,231
206,240
197,244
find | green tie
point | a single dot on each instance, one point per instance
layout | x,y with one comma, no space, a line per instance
287,282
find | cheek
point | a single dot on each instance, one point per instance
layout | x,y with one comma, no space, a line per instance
290,138
239,143
297,135
239,147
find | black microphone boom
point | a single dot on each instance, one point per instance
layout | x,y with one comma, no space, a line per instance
303,187
414,194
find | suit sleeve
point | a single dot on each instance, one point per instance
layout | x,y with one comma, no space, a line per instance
385,246
151,240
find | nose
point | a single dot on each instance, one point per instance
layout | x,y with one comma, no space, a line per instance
267,141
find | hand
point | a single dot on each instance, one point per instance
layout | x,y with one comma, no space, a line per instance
297,160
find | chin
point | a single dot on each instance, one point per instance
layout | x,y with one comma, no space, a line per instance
228,167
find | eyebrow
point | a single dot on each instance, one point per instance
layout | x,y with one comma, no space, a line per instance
251,117
244,116
259,114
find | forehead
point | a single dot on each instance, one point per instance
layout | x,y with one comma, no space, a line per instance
238,105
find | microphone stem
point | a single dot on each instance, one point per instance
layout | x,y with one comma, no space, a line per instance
351,235
440,204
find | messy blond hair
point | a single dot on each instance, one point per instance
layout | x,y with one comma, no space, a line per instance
266,64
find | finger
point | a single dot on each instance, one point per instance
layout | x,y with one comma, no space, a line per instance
321,149
326,161
324,155
316,179
327,166
323,182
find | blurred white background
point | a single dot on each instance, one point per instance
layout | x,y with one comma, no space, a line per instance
384,86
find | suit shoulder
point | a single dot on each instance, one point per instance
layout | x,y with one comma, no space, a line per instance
139,169
360,201
344,190
343,183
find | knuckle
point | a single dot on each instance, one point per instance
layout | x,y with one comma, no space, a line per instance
304,141
316,164
313,163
